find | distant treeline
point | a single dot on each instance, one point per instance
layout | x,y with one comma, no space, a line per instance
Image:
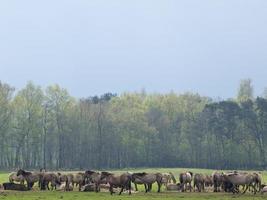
51,129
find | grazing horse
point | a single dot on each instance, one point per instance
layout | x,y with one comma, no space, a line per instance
30,177
199,182
243,179
148,179
168,178
95,178
186,178
14,178
122,181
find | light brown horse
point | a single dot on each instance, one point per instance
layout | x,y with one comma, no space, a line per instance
122,181
148,179
168,178
186,179
208,181
243,179
14,178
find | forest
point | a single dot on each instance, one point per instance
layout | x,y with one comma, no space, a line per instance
49,128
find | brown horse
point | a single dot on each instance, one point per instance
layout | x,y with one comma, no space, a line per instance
186,179
243,179
30,177
199,182
49,177
148,179
95,178
208,181
217,181
122,181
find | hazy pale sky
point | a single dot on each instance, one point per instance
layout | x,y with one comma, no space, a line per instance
96,46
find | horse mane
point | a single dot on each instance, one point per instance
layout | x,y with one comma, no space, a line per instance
23,172
89,172
140,174
191,173
106,173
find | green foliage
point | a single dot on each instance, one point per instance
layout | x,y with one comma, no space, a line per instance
49,128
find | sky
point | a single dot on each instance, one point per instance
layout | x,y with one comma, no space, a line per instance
95,46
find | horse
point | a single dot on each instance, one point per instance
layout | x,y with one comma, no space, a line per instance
199,182
208,182
173,187
244,179
137,181
148,179
95,178
257,180
217,181
15,186
186,178
49,177
78,179
30,177
168,178
14,178
122,181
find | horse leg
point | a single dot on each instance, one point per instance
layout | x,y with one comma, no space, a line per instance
135,185
146,188
159,186
111,189
150,187
121,190
47,185
130,187
245,189
97,188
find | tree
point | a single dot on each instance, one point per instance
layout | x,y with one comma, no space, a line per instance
27,124
245,91
6,92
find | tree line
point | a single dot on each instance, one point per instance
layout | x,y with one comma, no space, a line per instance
48,128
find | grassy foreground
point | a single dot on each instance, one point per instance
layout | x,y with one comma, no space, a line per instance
53,195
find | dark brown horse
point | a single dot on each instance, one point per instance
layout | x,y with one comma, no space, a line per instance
199,182
95,178
49,177
217,181
122,181
30,177
148,179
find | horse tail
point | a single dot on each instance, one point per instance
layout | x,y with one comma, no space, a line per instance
181,178
172,177
191,173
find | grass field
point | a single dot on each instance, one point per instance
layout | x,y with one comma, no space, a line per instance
53,195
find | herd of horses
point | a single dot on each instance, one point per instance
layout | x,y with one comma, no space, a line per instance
234,182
